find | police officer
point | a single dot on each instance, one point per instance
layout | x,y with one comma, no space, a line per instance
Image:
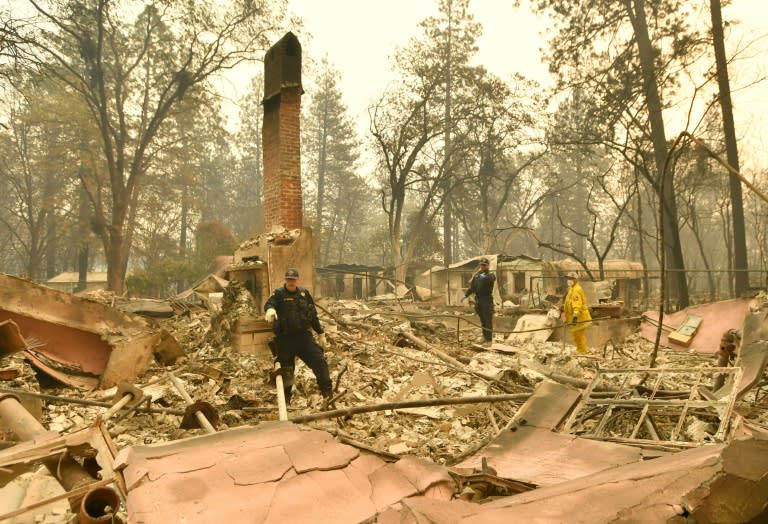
481,286
292,311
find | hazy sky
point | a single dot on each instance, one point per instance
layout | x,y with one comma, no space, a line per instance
360,36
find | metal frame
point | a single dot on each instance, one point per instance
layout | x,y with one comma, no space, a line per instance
642,406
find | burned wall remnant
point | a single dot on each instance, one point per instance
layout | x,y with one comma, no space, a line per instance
79,342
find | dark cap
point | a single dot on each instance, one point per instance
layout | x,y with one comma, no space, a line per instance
484,261
292,273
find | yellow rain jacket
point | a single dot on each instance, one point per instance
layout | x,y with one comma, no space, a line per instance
575,305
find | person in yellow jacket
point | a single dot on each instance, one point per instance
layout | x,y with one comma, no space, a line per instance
577,312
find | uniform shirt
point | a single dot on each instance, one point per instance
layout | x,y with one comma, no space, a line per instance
296,311
481,285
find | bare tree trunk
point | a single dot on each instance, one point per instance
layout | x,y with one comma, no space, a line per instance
672,247
703,254
83,235
321,172
732,151
180,284
447,216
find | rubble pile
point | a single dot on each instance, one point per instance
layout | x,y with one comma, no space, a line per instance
380,352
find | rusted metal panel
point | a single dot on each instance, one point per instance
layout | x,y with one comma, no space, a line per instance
532,452
274,472
717,317
548,405
716,483
11,340
541,457
82,343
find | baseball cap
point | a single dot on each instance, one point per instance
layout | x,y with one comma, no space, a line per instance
484,261
292,272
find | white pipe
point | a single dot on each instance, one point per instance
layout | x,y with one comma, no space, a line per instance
282,409
204,422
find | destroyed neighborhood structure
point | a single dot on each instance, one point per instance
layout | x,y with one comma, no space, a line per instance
352,281
69,281
81,343
171,410
643,444
524,281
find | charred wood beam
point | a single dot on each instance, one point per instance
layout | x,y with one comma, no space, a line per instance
450,360
517,397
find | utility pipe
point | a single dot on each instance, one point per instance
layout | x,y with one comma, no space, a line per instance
515,397
86,402
70,474
204,422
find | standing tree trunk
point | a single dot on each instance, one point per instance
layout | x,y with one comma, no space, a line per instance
732,151
672,247
84,232
447,216
322,162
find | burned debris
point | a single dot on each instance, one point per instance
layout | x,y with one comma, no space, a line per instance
422,423
150,412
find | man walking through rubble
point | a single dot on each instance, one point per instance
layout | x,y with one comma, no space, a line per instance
577,312
292,312
481,286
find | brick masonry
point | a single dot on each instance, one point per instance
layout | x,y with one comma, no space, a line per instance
282,160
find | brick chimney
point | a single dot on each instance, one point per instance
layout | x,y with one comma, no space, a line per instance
281,135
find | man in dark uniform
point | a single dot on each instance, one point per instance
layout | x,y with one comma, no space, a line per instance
292,311
481,286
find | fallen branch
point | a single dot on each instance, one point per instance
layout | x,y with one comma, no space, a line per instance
345,438
410,404
452,361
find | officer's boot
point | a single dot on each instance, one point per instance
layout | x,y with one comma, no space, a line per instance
327,394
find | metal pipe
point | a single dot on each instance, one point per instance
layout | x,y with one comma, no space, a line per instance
86,402
99,505
117,407
204,422
515,397
70,474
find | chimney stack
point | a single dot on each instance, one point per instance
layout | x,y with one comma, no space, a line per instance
281,135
